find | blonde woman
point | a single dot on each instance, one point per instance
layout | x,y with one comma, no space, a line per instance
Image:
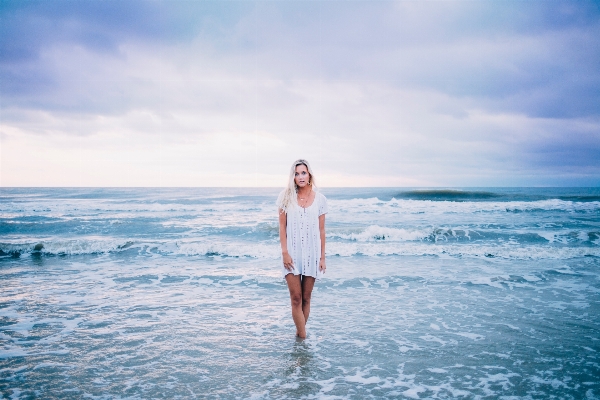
302,236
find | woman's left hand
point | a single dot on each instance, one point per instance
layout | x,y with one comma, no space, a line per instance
322,266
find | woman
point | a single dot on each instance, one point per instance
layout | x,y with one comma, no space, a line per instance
302,235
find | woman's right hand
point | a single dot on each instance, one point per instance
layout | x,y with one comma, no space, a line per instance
287,261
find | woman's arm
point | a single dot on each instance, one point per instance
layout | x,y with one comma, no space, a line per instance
287,259
322,265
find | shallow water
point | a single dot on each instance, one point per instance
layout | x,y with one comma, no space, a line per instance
176,292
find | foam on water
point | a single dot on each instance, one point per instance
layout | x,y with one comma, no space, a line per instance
371,242
376,232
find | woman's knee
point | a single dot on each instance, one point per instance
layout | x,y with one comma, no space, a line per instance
296,299
306,299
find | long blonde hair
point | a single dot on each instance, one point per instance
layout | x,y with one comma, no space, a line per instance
289,196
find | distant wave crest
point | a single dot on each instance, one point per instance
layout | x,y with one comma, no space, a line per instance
431,207
447,195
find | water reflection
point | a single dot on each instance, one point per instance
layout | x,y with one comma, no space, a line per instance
301,370
301,357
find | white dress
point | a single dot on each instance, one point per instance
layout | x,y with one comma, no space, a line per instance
304,237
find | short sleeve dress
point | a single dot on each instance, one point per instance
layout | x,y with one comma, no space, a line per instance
303,236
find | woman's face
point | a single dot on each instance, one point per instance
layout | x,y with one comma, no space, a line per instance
302,176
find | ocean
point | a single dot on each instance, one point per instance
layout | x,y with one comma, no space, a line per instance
175,293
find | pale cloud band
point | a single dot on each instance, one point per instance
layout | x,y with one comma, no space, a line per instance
188,93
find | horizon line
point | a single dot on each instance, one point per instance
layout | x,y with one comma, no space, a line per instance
279,187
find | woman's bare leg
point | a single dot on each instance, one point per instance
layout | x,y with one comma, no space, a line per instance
308,282
295,286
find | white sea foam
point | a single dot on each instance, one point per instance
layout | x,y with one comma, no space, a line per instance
271,250
379,233
253,250
413,392
360,377
505,251
60,246
406,345
464,234
437,370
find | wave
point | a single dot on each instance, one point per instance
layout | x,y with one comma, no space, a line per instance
411,206
506,251
65,247
376,233
581,198
252,250
485,194
269,250
447,195
97,245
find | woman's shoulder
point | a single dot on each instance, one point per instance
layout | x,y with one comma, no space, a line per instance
321,202
320,199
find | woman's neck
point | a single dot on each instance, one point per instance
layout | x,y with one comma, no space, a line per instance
305,191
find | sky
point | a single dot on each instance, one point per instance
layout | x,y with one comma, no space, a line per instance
230,93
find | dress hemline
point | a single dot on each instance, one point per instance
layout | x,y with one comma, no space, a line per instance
287,272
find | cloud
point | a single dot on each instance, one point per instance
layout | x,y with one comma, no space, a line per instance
392,93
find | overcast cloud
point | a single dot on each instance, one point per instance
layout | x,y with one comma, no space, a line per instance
390,93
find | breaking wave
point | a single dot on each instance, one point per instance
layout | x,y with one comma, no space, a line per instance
376,233
409,206
270,250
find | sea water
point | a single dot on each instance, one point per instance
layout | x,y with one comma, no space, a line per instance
177,293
